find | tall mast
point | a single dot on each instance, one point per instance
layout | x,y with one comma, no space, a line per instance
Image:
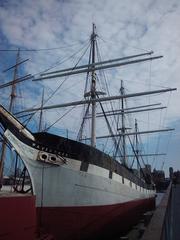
41,112
13,89
12,98
93,90
123,125
137,147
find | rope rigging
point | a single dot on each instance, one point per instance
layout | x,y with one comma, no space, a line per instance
80,133
109,128
56,90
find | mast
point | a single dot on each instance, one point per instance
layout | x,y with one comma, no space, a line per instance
137,146
123,125
93,90
13,91
41,112
12,98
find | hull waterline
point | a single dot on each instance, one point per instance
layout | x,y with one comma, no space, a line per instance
98,222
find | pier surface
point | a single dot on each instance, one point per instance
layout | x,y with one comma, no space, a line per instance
175,212
164,224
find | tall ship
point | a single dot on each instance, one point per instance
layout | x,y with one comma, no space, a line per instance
82,192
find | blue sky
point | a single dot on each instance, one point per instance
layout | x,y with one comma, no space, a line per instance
124,28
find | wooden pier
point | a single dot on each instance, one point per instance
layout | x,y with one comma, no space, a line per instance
175,216
164,224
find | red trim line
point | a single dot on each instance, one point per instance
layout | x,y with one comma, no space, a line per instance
97,222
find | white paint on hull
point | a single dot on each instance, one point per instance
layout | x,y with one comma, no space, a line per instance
98,171
116,177
66,185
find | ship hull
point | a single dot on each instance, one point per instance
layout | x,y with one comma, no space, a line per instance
67,186
95,222
72,204
80,192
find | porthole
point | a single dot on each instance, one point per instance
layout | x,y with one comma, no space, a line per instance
44,156
53,158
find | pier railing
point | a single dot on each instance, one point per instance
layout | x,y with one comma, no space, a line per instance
160,227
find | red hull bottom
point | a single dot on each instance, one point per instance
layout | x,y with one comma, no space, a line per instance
96,222
17,217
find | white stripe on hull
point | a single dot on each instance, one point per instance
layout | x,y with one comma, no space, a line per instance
66,185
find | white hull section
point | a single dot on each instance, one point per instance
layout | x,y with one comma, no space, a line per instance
65,185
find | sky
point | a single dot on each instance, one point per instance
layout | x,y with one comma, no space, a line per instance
58,29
